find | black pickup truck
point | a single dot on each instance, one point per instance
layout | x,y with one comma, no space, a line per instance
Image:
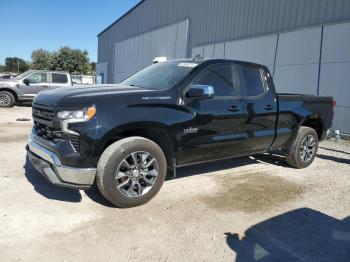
125,137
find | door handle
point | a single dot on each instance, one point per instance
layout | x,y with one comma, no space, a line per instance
45,86
233,108
268,107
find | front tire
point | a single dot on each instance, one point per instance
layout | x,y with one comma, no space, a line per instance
304,148
131,171
7,99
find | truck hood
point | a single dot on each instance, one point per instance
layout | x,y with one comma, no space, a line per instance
8,82
76,96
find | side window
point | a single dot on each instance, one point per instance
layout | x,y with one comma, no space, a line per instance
59,78
37,78
250,81
218,76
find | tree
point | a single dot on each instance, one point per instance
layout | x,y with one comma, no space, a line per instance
71,60
2,68
41,59
15,64
93,67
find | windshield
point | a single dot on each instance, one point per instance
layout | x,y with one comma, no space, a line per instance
160,76
23,75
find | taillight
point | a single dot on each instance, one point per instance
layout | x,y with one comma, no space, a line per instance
334,103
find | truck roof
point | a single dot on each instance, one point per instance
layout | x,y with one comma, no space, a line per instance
215,60
49,71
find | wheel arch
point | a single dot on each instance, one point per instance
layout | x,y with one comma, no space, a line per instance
11,91
314,122
155,132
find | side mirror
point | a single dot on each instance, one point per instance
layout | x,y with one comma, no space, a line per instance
26,81
200,92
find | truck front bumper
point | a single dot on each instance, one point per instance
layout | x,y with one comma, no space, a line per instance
49,165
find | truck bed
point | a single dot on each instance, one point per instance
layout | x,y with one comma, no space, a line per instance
304,97
294,109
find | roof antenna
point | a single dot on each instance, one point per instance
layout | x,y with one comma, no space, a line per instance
159,59
197,56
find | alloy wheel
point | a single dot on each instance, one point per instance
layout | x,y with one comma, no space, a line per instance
5,99
137,174
308,148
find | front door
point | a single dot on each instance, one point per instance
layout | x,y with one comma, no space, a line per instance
37,82
215,130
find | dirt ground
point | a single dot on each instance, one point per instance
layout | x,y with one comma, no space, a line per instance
246,209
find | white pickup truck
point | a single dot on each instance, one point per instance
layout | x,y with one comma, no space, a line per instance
26,86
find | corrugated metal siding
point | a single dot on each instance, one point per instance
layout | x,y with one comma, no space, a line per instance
221,20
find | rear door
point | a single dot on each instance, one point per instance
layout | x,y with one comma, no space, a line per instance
260,105
215,131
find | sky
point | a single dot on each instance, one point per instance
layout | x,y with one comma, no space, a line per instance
27,25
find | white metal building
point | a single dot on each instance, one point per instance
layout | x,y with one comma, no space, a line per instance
305,43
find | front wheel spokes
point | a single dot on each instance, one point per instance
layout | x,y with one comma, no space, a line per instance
144,157
4,99
148,182
137,174
134,158
122,174
146,164
130,190
126,164
152,172
123,184
139,188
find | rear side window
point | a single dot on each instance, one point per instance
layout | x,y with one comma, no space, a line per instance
59,78
218,76
250,81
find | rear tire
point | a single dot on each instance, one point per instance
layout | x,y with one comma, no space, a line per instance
304,148
7,99
123,177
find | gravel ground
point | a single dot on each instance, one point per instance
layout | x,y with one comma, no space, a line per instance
246,209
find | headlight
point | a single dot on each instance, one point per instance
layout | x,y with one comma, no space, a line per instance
84,114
